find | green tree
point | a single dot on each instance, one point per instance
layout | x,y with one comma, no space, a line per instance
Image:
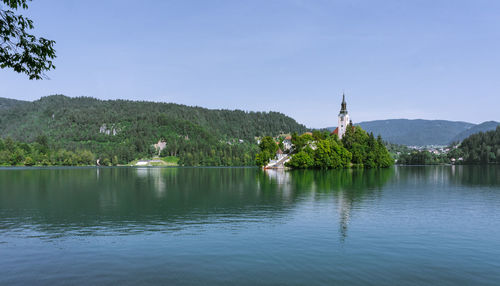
262,158
43,143
301,160
268,150
4,157
114,161
356,148
9,144
20,50
267,144
29,161
358,153
86,158
17,157
300,142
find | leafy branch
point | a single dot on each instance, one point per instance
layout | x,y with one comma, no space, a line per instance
20,50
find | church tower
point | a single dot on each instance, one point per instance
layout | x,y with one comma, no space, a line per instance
343,118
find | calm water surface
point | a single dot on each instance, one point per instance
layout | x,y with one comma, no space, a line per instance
227,226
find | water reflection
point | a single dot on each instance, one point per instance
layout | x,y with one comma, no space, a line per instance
348,187
89,201
481,176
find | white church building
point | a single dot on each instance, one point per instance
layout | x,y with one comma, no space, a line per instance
343,119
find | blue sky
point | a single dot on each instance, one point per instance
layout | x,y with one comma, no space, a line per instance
394,59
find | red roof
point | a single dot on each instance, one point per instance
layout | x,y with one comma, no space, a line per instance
288,138
336,131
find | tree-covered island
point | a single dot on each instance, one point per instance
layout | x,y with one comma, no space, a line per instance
324,150
346,146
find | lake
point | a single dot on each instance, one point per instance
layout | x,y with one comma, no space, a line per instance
244,226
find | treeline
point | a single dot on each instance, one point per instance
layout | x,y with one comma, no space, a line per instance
422,157
38,153
481,148
319,150
323,150
365,149
126,130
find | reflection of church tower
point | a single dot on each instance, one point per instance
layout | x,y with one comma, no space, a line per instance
343,118
345,208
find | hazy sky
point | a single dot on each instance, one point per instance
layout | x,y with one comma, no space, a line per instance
394,59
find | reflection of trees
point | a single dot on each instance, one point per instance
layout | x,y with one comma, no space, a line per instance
480,175
348,186
59,199
170,198
469,175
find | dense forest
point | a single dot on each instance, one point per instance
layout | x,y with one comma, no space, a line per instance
6,103
322,150
482,127
38,153
121,131
423,157
481,148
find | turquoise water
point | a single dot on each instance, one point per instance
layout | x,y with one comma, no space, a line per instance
244,226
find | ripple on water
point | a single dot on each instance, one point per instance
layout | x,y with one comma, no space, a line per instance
225,226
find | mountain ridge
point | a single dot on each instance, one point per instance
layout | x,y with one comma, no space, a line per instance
481,127
422,132
411,132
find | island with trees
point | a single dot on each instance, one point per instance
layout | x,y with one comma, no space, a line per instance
324,150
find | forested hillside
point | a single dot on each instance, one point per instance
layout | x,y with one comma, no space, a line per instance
420,132
127,129
481,148
417,132
6,103
483,127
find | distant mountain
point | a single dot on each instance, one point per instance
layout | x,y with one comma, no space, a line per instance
483,127
417,132
6,103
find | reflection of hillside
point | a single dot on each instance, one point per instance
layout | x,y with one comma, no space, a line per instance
485,175
469,175
130,199
163,197
92,200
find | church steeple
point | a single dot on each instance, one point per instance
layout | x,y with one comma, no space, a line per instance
343,118
343,106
